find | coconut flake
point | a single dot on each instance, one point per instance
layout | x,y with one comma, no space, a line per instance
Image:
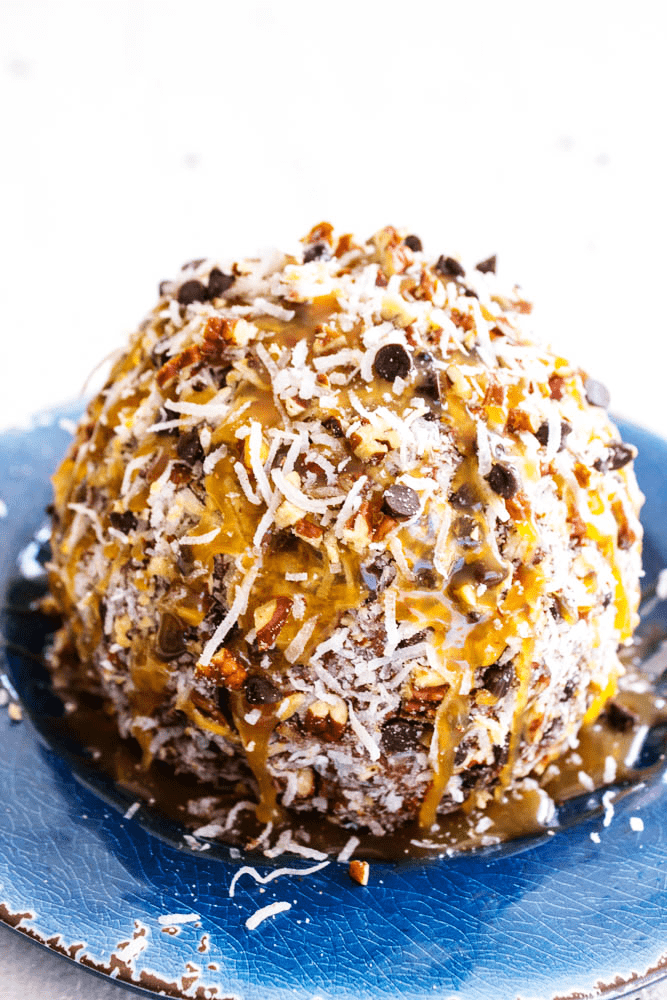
254,448
239,605
299,499
261,305
483,449
169,919
364,736
244,483
348,850
200,539
265,912
350,506
277,873
300,640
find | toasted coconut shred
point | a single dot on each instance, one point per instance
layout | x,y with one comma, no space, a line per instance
346,533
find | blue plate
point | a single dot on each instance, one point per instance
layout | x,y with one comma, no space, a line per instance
542,918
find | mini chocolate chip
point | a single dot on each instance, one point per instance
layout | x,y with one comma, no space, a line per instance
503,481
542,434
497,679
427,382
475,775
449,267
463,531
465,498
619,717
318,251
618,455
261,691
469,294
192,291
413,243
164,287
487,266
332,424
219,283
597,394
400,736
125,522
400,501
189,448
391,361
569,690
170,642
426,579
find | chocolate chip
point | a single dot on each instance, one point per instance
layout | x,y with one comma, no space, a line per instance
377,575
618,455
426,579
477,774
391,361
261,691
332,424
597,394
465,498
464,530
569,690
497,679
542,434
170,641
318,251
413,243
189,448
449,267
400,501
219,283
164,288
469,294
503,481
427,382
125,522
487,266
400,736
619,717
192,291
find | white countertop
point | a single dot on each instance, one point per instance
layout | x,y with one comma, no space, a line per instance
138,135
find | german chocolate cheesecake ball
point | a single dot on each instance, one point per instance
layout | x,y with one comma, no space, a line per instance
339,528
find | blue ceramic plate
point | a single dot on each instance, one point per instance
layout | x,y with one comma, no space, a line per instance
550,917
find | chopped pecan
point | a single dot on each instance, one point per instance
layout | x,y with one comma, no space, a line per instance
309,531
359,871
269,620
225,670
325,720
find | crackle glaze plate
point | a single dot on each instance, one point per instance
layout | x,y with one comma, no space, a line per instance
550,917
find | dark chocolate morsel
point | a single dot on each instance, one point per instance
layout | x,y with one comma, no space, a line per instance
400,501
332,424
318,251
497,679
469,294
449,267
619,717
426,383
391,361
170,642
125,522
426,579
465,498
219,283
164,287
503,481
413,243
261,691
487,266
597,394
618,455
400,736
542,434
192,291
189,448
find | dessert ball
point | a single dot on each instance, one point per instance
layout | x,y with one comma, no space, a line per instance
339,528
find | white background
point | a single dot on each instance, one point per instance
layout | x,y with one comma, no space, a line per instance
137,135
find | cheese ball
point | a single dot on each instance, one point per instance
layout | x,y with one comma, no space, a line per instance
339,528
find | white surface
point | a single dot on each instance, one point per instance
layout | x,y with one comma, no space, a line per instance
137,135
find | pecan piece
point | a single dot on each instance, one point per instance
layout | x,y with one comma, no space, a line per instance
269,619
325,720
